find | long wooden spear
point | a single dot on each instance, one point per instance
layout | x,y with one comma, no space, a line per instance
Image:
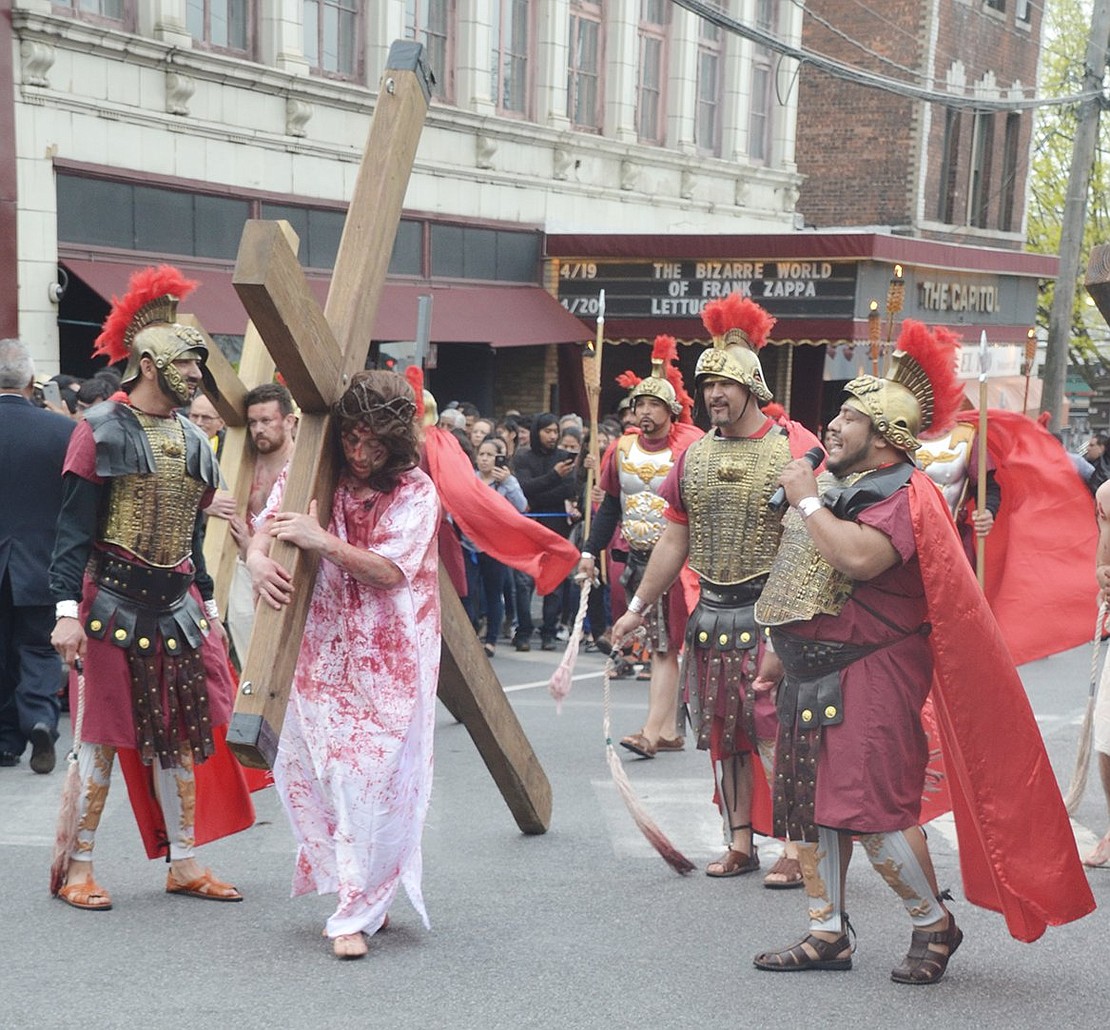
591,374
560,683
981,499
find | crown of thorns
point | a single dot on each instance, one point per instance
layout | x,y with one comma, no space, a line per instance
383,417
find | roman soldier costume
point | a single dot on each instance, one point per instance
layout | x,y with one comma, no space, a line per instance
157,686
861,658
632,472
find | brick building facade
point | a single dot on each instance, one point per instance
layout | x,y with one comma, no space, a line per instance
931,170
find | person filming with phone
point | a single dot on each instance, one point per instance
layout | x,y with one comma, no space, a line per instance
548,478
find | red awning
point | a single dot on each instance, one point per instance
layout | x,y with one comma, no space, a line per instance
501,316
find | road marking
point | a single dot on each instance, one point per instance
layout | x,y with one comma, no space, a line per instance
544,682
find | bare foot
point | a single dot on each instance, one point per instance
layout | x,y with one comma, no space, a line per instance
349,945
1101,855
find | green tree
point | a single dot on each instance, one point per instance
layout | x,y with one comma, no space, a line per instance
1064,41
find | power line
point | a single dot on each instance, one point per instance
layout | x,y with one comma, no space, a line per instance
873,80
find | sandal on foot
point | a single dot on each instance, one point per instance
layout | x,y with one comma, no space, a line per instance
734,863
790,869
86,894
349,945
638,744
809,953
205,886
678,744
926,965
490,649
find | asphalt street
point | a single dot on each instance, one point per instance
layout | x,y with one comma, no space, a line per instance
581,927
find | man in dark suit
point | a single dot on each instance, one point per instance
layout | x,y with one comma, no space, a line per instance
32,447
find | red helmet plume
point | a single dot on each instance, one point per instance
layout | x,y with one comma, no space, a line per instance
146,286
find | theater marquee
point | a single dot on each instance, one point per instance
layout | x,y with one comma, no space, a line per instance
681,289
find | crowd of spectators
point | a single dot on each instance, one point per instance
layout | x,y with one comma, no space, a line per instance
541,464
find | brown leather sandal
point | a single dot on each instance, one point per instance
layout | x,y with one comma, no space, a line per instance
735,863
205,887
81,894
926,965
790,868
677,744
638,744
809,953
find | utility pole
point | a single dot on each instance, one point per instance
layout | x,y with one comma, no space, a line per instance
1075,215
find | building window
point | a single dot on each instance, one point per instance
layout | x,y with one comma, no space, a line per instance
431,22
134,216
759,117
979,189
331,34
653,64
116,12
470,252
584,66
220,24
1023,11
1009,173
707,124
512,42
949,167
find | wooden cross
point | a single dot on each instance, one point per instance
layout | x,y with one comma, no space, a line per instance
317,353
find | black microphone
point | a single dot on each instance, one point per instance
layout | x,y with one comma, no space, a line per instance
815,455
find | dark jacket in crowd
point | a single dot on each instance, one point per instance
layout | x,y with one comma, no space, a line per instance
546,490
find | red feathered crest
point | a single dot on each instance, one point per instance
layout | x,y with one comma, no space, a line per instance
935,355
736,312
775,412
628,379
665,350
163,287
414,375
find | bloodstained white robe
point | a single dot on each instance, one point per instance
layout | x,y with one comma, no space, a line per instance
354,765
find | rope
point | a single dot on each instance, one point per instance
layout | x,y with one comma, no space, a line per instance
560,683
65,834
655,836
1083,752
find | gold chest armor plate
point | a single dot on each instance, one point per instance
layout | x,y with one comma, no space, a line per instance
801,583
641,473
153,515
726,484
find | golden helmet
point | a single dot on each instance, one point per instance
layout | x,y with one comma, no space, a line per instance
919,395
738,327
143,323
664,383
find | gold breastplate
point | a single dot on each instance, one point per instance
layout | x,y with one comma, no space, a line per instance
726,484
801,583
152,515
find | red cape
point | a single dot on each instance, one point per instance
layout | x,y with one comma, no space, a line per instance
495,526
223,800
1041,552
1017,850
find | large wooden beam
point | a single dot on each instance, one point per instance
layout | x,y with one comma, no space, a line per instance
273,289
357,283
470,690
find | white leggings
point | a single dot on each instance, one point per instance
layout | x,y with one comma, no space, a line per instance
175,788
